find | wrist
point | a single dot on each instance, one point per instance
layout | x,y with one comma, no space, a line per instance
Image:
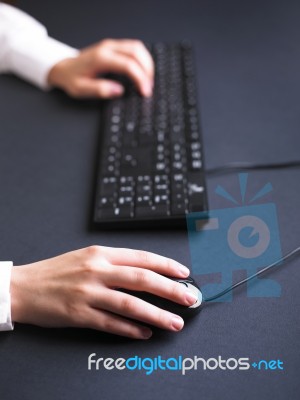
58,76
15,294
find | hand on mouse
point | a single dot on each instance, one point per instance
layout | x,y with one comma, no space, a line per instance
77,289
79,76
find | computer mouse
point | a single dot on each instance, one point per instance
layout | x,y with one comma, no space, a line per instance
175,308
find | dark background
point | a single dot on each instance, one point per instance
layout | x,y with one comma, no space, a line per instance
248,63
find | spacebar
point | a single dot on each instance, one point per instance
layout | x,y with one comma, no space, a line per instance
152,211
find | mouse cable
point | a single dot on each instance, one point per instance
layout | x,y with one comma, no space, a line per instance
244,166
230,288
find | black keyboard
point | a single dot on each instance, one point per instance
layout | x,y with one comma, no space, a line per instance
150,163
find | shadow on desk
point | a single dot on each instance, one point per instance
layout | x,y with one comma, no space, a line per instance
77,336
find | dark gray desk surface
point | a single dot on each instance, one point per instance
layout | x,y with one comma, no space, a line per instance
248,57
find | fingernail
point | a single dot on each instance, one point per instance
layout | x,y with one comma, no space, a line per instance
116,89
146,333
190,297
184,270
177,323
147,89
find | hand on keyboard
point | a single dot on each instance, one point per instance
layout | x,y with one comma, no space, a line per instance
150,163
79,76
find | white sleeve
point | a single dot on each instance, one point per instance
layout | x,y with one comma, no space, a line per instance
26,49
5,303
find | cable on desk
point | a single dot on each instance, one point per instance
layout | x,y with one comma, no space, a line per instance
244,166
230,288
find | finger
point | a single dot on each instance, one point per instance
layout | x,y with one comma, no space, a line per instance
149,281
145,259
130,306
123,64
102,88
137,50
107,322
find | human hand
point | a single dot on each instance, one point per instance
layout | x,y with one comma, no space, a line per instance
79,76
77,289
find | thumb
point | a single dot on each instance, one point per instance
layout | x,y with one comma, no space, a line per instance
101,88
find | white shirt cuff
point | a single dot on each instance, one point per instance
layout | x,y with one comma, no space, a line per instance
32,58
6,323
26,49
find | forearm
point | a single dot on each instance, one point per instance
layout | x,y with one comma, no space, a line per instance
26,50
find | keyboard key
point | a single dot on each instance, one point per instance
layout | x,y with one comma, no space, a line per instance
178,208
153,211
196,202
105,213
108,188
124,211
